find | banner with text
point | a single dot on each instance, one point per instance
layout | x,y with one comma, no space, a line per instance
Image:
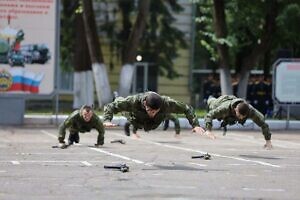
287,81
27,46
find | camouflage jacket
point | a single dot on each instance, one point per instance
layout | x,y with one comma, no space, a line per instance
134,110
76,123
222,108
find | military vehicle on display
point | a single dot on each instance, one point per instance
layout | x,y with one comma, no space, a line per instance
16,54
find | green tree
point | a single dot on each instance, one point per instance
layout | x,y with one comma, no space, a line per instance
74,58
250,27
220,27
103,88
81,52
159,41
131,47
289,29
67,42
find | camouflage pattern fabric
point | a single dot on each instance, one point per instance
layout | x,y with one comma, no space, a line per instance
75,123
222,108
133,109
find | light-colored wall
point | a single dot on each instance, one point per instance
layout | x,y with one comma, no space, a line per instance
179,87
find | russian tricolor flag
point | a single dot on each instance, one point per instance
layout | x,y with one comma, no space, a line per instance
25,81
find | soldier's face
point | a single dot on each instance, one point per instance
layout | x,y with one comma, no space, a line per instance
87,115
151,112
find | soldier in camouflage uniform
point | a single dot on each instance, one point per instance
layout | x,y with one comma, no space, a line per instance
166,126
147,111
231,110
82,120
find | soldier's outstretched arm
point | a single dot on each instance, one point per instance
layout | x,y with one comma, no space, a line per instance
61,133
118,105
202,131
213,114
259,120
182,108
216,113
62,129
100,128
179,107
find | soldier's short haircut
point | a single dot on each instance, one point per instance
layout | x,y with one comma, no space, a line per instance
153,100
87,108
243,108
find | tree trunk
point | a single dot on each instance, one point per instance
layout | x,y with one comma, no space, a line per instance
83,88
100,74
221,32
127,71
83,92
260,48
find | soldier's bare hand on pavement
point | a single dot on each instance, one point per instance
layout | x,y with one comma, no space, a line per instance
199,130
210,135
268,145
177,136
109,124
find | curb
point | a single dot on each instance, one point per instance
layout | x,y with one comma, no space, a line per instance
120,121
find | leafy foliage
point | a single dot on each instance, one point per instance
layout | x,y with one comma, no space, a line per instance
205,35
245,20
288,29
67,42
160,41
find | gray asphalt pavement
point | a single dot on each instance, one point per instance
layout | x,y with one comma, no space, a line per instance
160,166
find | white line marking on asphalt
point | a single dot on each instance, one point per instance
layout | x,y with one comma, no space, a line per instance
213,154
172,186
50,161
157,174
248,189
239,164
202,152
86,163
59,153
276,143
117,155
251,175
49,134
202,165
106,152
172,147
2,171
14,162
272,190
265,189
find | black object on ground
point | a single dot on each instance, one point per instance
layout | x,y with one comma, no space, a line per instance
62,147
204,156
118,141
122,167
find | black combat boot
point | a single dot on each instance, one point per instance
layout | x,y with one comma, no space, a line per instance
127,128
166,125
73,137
